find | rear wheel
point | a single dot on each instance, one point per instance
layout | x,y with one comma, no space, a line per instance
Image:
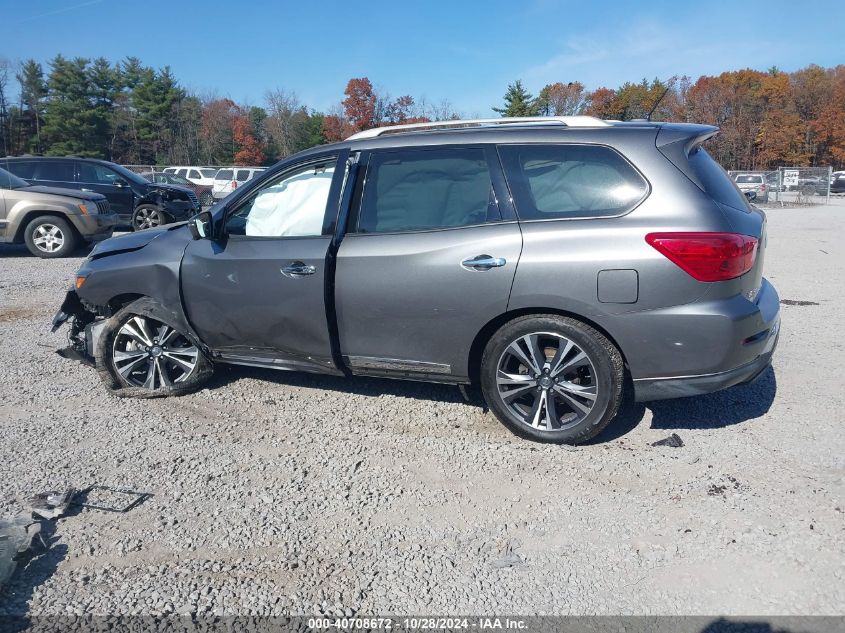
151,357
50,237
552,379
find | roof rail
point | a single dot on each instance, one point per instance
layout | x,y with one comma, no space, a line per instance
569,121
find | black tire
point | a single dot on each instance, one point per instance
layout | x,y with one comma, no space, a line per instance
599,378
50,237
148,216
168,377
206,199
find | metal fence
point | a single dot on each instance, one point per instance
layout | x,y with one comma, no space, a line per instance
786,186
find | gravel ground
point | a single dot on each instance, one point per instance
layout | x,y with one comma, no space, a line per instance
276,493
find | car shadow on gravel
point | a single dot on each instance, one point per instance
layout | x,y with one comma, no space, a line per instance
39,564
711,411
359,385
717,410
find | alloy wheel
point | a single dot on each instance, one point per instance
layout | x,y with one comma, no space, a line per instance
546,381
150,354
48,238
147,219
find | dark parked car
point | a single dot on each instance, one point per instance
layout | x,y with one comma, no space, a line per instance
136,200
203,192
551,261
837,184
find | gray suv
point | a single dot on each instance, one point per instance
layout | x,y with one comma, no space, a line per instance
555,262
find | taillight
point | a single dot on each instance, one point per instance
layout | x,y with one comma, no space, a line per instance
763,188
707,256
234,184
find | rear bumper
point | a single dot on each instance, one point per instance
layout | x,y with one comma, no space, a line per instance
753,352
664,388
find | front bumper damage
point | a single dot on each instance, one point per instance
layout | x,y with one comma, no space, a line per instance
85,329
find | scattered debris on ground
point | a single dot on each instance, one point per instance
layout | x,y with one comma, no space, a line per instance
673,440
51,505
509,556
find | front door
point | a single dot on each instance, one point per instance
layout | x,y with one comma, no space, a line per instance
428,261
98,178
256,295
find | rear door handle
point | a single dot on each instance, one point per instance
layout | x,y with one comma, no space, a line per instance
483,262
298,269
88,190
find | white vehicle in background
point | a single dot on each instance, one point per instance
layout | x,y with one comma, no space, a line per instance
230,178
198,175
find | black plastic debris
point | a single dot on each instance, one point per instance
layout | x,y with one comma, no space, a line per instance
673,440
107,499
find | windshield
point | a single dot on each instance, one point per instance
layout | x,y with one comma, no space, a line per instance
10,181
747,179
131,176
177,180
208,173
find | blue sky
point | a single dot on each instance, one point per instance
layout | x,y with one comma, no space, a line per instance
464,51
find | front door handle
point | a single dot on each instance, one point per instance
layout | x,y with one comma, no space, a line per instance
298,269
483,262
88,190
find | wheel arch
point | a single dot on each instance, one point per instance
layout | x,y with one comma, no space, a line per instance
29,216
485,333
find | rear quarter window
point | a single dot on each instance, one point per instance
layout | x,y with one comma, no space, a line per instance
570,181
715,180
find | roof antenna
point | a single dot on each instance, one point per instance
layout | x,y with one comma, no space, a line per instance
657,103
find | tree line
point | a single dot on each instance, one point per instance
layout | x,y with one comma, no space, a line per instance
134,114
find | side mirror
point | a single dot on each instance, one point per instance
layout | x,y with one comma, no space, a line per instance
121,183
201,226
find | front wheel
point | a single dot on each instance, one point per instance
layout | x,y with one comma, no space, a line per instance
148,217
144,356
552,379
50,237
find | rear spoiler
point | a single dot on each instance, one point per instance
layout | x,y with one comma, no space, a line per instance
676,141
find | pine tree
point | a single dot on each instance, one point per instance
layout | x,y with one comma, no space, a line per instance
33,92
518,102
70,120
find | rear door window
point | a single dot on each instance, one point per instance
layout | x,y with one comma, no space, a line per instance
224,174
194,174
57,171
21,168
413,190
243,175
208,173
570,181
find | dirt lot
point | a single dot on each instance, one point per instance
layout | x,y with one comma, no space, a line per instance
287,493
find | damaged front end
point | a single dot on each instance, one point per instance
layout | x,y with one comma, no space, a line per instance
85,328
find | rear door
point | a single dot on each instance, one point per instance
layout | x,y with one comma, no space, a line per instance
257,294
428,259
